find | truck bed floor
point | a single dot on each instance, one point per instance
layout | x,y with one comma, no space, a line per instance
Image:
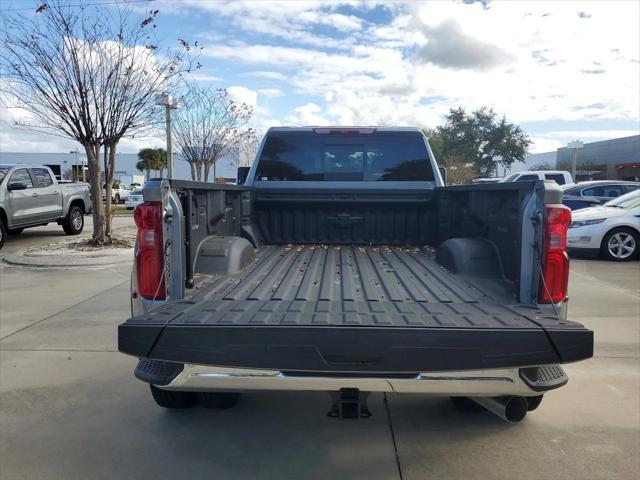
345,285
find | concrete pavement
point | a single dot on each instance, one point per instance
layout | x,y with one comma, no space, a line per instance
71,408
32,237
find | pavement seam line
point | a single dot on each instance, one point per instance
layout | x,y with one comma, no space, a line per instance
608,284
65,309
393,435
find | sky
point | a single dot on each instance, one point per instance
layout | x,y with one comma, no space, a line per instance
562,70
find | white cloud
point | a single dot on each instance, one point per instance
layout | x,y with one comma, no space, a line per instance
271,92
541,145
600,134
289,20
533,61
202,77
270,75
243,95
306,115
526,64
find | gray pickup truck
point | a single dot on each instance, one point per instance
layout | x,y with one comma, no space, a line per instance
30,196
343,264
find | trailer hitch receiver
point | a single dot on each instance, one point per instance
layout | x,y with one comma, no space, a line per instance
349,403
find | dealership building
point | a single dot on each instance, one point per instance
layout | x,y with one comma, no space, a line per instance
616,159
70,165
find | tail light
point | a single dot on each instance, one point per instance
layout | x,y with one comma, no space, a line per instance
555,261
149,257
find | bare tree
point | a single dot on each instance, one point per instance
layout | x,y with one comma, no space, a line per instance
88,73
208,125
248,147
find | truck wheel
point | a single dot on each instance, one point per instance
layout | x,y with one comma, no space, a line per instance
621,244
464,404
74,221
3,232
220,400
171,399
116,199
533,402
16,231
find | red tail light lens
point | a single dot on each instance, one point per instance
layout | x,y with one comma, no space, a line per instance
149,256
555,261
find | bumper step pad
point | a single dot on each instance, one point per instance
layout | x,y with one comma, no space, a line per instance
544,378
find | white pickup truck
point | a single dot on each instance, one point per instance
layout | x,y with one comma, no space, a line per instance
30,196
118,194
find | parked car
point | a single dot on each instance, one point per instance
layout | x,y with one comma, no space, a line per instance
597,192
30,196
559,176
118,194
611,230
134,199
342,264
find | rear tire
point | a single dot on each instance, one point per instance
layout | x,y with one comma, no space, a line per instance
116,199
465,404
218,400
74,221
3,233
171,399
621,244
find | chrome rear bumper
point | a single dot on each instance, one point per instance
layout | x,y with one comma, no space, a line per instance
463,383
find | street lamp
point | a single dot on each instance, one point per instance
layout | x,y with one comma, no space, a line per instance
168,102
79,162
497,159
574,146
77,172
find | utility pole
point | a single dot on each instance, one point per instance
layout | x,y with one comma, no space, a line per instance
574,146
497,159
77,172
169,103
169,156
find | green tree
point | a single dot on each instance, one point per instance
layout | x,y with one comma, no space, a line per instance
478,138
459,172
152,159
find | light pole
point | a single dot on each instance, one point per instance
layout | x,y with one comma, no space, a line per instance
169,103
574,146
497,159
77,172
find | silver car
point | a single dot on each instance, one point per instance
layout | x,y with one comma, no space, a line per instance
30,196
134,199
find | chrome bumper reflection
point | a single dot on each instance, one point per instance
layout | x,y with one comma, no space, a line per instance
463,383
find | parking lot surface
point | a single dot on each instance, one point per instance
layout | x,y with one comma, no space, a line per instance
71,408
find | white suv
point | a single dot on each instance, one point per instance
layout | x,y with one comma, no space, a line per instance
559,176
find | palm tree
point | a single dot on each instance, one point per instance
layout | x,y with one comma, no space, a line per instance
152,159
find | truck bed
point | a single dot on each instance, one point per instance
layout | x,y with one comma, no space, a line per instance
373,275
310,308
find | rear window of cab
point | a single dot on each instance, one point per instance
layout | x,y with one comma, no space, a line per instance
377,157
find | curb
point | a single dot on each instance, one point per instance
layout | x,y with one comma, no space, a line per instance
19,258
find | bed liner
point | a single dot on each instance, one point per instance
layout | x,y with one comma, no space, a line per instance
350,308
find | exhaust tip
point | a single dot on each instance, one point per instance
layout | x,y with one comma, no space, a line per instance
512,409
516,409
